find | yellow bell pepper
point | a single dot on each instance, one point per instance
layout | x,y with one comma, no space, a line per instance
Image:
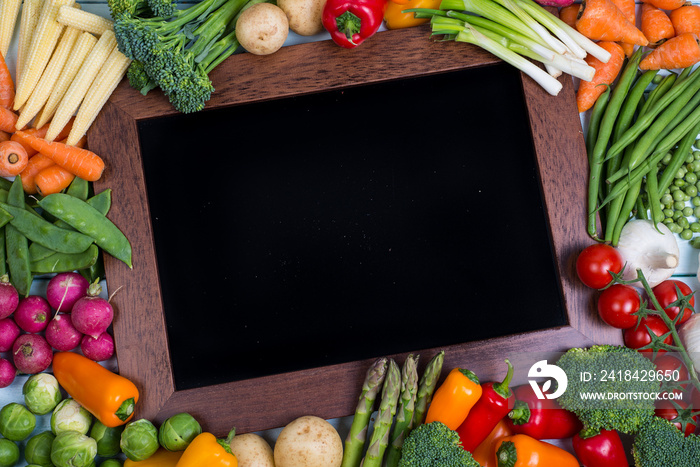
207,449
395,19
162,458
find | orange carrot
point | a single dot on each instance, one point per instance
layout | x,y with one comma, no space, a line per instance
569,13
656,25
8,119
4,136
52,179
35,165
20,136
7,86
686,19
681,51
80,162
629,8
667,4
13,158
601,20
605,73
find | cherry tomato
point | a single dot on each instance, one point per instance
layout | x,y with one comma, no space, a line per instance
616,305
594,262
666,294
638,336
667,364
665,409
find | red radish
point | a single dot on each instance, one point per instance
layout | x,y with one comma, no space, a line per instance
31,353
33,313
64,289
9,332
7,373
9,298
92,314
61,333
99,349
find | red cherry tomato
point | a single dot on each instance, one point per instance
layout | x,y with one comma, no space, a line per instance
594,262
638,336
666,294
668,364
665,409
616,305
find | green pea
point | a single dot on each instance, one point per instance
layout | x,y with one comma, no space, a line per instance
673,188
696,154
683,223
695,226
690,177
679,182
668,220
668,212
696,212
667,158
666,199
675,228
695,242
677,215
687,211
689,158
686,234
696,201
678,195
64,262
691,191
679,205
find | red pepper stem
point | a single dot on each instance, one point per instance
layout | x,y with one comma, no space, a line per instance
502,388
520,413
588,432
350,24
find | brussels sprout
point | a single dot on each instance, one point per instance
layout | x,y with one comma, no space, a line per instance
70,416
41,393
38,449
111,463
178,431
9,453
107,438
139,440
73,449
16,422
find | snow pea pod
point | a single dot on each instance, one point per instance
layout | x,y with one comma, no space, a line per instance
78,188
64,262
17,244
88,220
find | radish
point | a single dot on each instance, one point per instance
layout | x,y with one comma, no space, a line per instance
31,353
92,314
64,289
9,298
7,373
99,349
9,331
61,333
33,313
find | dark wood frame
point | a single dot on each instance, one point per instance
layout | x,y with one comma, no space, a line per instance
328,392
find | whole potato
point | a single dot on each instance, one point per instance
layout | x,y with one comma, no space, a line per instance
252,450
304,15
262,28
308,441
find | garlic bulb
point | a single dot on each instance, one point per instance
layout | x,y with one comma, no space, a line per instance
653,251
689,332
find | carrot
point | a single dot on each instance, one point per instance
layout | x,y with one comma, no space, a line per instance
569,13
7,86
80,162
629,8
8,119
667,4
52,179
605,73
4,136
13,158
602,20
686,19
656,25
35,165
20,136
678,52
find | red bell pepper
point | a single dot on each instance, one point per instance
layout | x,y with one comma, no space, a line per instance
541,418
602,450
495,402
350,22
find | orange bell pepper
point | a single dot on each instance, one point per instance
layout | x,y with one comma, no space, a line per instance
111,398
454,398
395,19
526,451
207,449
162,458
485,453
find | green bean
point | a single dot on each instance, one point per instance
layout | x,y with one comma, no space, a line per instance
641,209
677,159
88,220
606,127
17,245
652,188
594,122
64,262
634,176
658,91
672,138
78,188
630,199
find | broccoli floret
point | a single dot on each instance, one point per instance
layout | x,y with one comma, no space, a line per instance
434,445
129,7
139,79
609,387
162,8
660,443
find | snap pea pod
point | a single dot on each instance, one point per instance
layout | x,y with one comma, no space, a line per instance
78,188
88,220
678,158
17,244
94,271
594,122
64,262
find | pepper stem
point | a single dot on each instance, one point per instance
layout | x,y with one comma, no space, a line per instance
502,388
520,413
470,374
349,23
507,455
126,409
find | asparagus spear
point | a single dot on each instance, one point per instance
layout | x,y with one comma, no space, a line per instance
404,413
355,442
426,387
385,417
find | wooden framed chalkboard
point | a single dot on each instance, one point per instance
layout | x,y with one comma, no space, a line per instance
417,219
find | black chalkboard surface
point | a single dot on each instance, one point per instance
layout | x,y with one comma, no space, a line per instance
350,224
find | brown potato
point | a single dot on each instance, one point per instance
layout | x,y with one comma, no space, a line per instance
308,441
252,450
304,15
262,28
